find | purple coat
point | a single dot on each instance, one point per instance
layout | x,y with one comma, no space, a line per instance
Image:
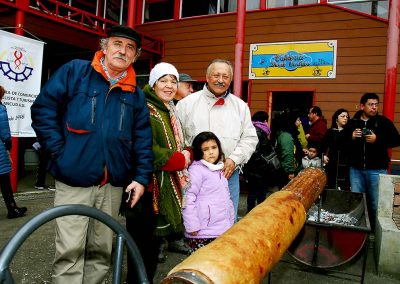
209,208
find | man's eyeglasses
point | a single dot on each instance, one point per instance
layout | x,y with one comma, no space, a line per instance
372,104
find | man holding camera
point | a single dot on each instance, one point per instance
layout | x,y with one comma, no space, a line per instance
371,137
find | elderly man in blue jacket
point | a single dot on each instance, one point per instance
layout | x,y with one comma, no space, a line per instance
93,122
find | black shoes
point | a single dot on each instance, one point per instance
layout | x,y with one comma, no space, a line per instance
161,251
15,212
179,246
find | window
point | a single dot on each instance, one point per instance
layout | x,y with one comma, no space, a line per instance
116,11
158,10
195,8
287,3
206,7
372,7
252,5
142,68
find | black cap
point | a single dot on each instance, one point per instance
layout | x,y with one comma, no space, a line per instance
185,78
125,32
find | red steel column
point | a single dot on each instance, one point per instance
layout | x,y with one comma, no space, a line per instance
392,54
240,28
131,13
139,12
263,4
177,9
19,23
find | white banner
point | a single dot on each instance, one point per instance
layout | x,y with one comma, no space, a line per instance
20,75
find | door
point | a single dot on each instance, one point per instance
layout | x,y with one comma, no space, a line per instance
290,101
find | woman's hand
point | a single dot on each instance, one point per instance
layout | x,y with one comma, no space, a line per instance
186,153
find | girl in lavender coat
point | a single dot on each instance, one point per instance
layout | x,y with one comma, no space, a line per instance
207,207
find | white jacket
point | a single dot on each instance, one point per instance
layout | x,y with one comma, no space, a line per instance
231,122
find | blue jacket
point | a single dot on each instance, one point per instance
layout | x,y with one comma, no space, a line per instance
5,143
86,127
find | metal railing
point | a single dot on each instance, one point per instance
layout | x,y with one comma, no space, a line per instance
80,19
32,225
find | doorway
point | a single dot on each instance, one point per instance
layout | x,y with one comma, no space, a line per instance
290,101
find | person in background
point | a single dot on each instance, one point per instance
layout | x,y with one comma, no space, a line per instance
92,121
370,136
255,171
185,87
209,210
5,163
302,136
305,122
311,159
336,152
42,168
318,126
288,147
216,109
171,160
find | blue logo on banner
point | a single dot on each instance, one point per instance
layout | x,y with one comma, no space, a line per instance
16,67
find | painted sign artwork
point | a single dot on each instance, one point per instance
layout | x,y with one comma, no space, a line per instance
293,60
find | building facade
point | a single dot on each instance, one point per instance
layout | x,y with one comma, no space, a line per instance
189,34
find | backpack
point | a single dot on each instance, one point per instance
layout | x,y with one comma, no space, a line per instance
264,163
272,160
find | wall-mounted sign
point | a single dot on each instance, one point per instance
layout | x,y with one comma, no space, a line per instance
293,60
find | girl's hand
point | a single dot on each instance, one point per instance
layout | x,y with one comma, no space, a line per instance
194,233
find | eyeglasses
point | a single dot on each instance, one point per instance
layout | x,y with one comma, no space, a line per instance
372,104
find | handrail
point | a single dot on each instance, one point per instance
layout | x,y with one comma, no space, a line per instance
32,225
80,19
60,11
63,11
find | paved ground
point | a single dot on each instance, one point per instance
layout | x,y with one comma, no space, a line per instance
32,264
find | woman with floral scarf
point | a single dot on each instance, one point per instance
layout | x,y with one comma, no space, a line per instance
171,160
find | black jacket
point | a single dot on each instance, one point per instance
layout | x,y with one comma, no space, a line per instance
256,170
372,156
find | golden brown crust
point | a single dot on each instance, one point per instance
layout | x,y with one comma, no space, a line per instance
308,184
249,249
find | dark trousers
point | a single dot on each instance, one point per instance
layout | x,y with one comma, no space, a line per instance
6,190
141,224
41,169
257,194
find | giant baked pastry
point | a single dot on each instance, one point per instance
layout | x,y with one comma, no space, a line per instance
249,250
